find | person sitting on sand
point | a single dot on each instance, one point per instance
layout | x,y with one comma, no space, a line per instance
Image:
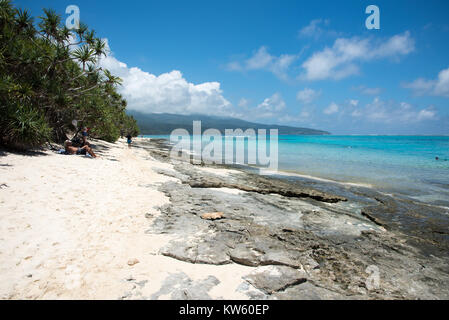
84,135
70,149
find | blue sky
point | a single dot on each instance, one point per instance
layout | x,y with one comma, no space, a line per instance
303,63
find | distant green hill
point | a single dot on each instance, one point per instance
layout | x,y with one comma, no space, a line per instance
164,123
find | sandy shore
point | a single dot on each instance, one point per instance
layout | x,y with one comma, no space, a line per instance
72,227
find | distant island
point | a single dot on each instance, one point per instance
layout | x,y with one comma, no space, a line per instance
165,123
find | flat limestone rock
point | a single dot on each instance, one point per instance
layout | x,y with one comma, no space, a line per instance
245,255
270,279
180,251
178,286
308,291
279,258
208,252
212,252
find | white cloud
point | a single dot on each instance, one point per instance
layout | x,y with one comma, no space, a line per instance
270,107
400,44
421,86
315,29
356,113
168,92
262,60
353,109
340,60
442,86
243,103
301,117
438,87
378,111
393,112
307,95
368,91
354,103
234,66
305,114
331,109
426,114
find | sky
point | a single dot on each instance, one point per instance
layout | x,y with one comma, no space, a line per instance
302,63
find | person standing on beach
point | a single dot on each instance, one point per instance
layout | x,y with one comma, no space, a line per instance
129,140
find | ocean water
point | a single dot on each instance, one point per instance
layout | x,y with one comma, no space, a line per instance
399,164
394,164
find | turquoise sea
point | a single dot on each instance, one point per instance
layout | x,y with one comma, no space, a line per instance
404,165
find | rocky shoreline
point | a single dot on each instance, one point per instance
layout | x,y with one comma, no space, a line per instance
304,239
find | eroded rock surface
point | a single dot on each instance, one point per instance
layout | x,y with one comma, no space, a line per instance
179,286
304,243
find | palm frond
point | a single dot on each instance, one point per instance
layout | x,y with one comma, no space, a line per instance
50,22
100,47
24,19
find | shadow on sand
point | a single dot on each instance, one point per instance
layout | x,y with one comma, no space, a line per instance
29,153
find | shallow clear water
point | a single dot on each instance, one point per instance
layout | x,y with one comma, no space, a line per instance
400,164
404,164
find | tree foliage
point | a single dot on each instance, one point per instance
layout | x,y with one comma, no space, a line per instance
49,76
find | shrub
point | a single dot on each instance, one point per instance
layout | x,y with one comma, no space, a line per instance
25,128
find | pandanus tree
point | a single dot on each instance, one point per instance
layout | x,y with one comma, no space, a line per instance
49,76
85,54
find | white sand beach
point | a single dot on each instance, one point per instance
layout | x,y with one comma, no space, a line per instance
72,227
